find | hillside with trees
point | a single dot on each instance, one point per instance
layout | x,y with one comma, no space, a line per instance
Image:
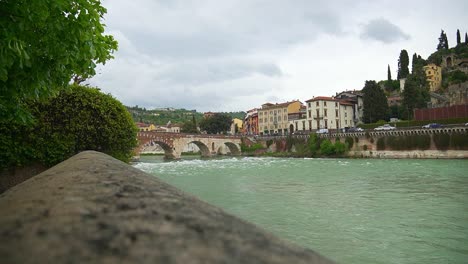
161,116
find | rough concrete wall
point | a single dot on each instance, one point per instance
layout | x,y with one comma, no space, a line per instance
95,209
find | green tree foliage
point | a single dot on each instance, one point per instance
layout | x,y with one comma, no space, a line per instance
79,118
375,103
327,148
350,142
403,63
43,44
216,124
458,37
416,92
190,126
466,38
314,144
340,148
389,74
417,62
443,41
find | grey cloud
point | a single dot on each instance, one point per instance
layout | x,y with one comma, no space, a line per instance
384,31
181,29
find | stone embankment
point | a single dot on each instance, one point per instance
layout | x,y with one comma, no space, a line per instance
95,209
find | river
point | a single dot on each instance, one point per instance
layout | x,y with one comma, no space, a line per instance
349,210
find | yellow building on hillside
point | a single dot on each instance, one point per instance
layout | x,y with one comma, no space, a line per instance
434,76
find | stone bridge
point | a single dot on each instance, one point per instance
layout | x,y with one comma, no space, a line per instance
174,143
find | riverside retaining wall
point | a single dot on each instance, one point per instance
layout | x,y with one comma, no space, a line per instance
92,208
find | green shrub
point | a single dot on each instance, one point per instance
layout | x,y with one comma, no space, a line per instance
78,119
269,142
340,148
350,142
327,148
314,144
252,148
337,139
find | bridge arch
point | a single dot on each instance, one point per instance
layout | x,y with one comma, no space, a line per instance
168,150
204,150
233,148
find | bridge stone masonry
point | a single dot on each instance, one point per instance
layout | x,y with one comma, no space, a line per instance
174,143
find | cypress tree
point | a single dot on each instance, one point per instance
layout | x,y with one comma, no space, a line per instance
466,38
403,63
446,42
389,74
458,37
441,44
375,103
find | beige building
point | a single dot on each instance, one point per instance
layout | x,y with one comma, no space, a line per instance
239,123
273,118
328,112
434,76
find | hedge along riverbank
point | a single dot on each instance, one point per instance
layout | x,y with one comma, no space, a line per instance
414,123
455,141
79,118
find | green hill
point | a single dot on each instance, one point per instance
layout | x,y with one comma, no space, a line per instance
161,116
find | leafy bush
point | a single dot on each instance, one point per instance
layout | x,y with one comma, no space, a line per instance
252,148
340,148
314,144
327,148
269,142
350,142
77,119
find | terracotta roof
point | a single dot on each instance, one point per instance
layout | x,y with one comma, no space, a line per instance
139,124
270,105
321,98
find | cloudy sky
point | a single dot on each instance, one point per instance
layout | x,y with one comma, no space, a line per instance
234,55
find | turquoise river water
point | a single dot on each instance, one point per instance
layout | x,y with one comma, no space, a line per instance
350,210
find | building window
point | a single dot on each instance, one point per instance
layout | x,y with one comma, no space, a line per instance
325,112
271,119
326,123
324,103
279,118
285,117
310,124
336,104
317,103
345,114
336,113
346,122
303,125
310,114
318,113
285,110
310,105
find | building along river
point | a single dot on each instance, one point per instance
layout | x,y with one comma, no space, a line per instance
350,210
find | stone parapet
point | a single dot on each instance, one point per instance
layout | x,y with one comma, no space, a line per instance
92,208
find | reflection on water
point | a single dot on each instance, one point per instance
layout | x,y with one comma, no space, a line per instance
353,211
